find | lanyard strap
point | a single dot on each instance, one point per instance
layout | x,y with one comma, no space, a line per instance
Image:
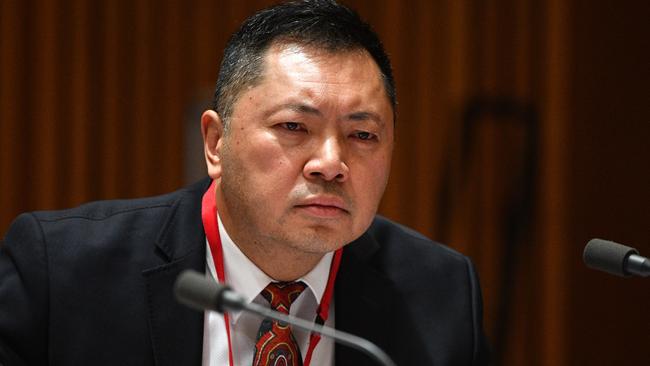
211,228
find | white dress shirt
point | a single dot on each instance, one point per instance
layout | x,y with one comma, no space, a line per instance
244,277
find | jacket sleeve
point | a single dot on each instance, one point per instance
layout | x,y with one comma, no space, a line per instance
23,294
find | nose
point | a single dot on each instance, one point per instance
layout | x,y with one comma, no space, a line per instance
327,162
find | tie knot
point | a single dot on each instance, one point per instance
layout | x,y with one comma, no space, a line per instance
282,294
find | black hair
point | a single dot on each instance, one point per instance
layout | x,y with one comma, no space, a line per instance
320,23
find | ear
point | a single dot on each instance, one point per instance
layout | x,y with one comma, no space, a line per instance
212,132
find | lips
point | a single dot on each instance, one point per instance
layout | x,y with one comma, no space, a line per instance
324,206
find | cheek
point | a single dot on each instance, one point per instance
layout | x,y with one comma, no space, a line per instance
257,151
266,162
373,176
380,169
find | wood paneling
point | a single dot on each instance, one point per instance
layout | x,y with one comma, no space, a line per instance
609,194
94,98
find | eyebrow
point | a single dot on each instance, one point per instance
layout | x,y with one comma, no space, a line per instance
296,107
364,116
303,108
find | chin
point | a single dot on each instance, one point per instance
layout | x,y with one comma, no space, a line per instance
317,243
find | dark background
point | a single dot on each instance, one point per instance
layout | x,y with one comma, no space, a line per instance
523,132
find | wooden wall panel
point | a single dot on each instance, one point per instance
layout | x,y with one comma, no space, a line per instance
79,102
552,208
95,96
609,194
10,68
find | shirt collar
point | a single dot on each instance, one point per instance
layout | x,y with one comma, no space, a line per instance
245,278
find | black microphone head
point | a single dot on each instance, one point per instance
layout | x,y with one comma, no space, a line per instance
199,292
607,256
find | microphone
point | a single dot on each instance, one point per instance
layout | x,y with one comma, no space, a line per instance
615,258
196,291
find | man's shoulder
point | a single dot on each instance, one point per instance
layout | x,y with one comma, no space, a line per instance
409,258
107,209
434,289
401,241
112,221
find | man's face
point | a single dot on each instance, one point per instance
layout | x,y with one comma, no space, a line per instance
306,157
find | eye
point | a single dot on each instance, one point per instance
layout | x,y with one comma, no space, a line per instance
292,126
365,136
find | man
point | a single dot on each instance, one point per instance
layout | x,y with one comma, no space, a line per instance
298,149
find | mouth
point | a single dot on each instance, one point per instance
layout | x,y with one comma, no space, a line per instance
323,207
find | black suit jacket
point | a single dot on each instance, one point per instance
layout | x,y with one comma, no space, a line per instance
93,286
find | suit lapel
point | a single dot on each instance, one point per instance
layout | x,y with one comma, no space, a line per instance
363,300
176,330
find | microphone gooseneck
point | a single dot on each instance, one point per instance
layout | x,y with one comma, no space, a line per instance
196,291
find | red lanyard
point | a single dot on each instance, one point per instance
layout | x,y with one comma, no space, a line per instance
211,227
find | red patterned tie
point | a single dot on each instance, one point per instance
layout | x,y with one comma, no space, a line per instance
275,345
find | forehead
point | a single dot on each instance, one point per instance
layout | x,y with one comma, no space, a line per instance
285,61
336,84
